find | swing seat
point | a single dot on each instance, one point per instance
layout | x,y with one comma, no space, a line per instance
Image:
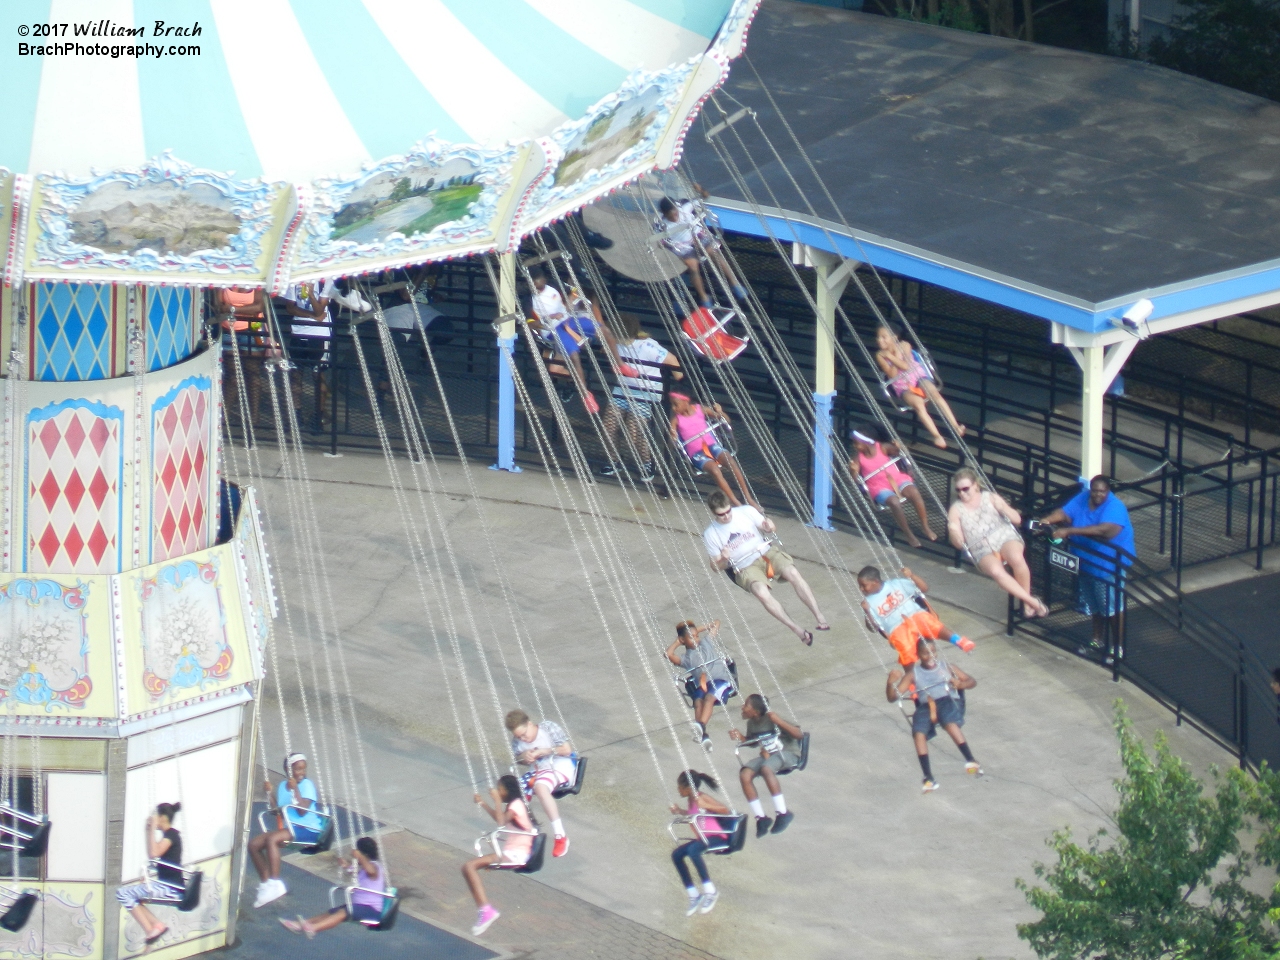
192,880
324,836
24,832
570,789
704,329
574,786
795,753
390,905
687,684
537,853
862,483
721,433
730,834
18,911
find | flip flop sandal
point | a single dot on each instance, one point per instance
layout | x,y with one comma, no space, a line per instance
157,935
807,639
823,629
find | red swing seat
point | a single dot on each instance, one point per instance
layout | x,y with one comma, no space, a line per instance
704,329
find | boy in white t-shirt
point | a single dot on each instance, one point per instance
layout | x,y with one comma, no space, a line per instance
635,397
545,748
734,543
568,332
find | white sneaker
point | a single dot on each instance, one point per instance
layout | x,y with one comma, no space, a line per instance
707,901
694,904
353,301
269,892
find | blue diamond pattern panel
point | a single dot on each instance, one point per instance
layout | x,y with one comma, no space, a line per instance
170,321
73,330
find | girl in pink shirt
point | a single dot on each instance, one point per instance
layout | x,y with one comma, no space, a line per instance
690,429
886,484
705,811
508,810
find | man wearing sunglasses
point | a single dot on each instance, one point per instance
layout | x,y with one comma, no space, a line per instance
735,543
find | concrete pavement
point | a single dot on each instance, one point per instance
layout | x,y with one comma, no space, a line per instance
870,867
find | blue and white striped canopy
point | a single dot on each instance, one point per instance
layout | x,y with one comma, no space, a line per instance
299,99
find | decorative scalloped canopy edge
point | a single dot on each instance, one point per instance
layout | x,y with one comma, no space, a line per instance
167,222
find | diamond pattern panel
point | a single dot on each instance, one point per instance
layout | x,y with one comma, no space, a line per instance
180,454
170,316
73,508
73,332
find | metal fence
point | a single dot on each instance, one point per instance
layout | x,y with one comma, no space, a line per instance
1165,643
1006,387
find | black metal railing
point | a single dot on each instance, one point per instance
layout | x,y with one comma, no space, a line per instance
1161,640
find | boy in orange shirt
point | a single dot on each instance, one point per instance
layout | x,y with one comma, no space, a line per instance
897,609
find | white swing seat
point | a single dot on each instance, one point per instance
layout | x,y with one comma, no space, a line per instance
390,905
325,834
721,433
495,840
862,485
570,789
729,836
685,682
792,759
704,328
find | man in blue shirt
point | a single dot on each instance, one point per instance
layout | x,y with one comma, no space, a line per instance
1096,522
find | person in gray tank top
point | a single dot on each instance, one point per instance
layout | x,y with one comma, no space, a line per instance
937,687
774,735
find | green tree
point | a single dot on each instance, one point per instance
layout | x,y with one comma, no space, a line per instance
1168,882
1232,42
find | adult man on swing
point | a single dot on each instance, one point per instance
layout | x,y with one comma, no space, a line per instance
734,543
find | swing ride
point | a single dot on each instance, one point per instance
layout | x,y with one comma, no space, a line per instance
142,646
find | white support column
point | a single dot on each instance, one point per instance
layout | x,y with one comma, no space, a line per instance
833,274
1100,365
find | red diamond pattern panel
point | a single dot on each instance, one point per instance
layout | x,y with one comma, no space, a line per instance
181,457
73,489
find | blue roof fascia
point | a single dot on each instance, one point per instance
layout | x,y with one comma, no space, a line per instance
911,262
1202,293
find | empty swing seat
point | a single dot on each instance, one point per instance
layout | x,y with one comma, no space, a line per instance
705,331
537,852
722,833
24,832
386,917
301,844
17,907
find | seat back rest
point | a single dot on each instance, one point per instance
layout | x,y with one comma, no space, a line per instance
579,777
735,826
19,912
39,842
325,840
536,854
739,837
389,913
191,892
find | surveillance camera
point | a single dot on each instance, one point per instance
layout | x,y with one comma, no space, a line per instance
1133,318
